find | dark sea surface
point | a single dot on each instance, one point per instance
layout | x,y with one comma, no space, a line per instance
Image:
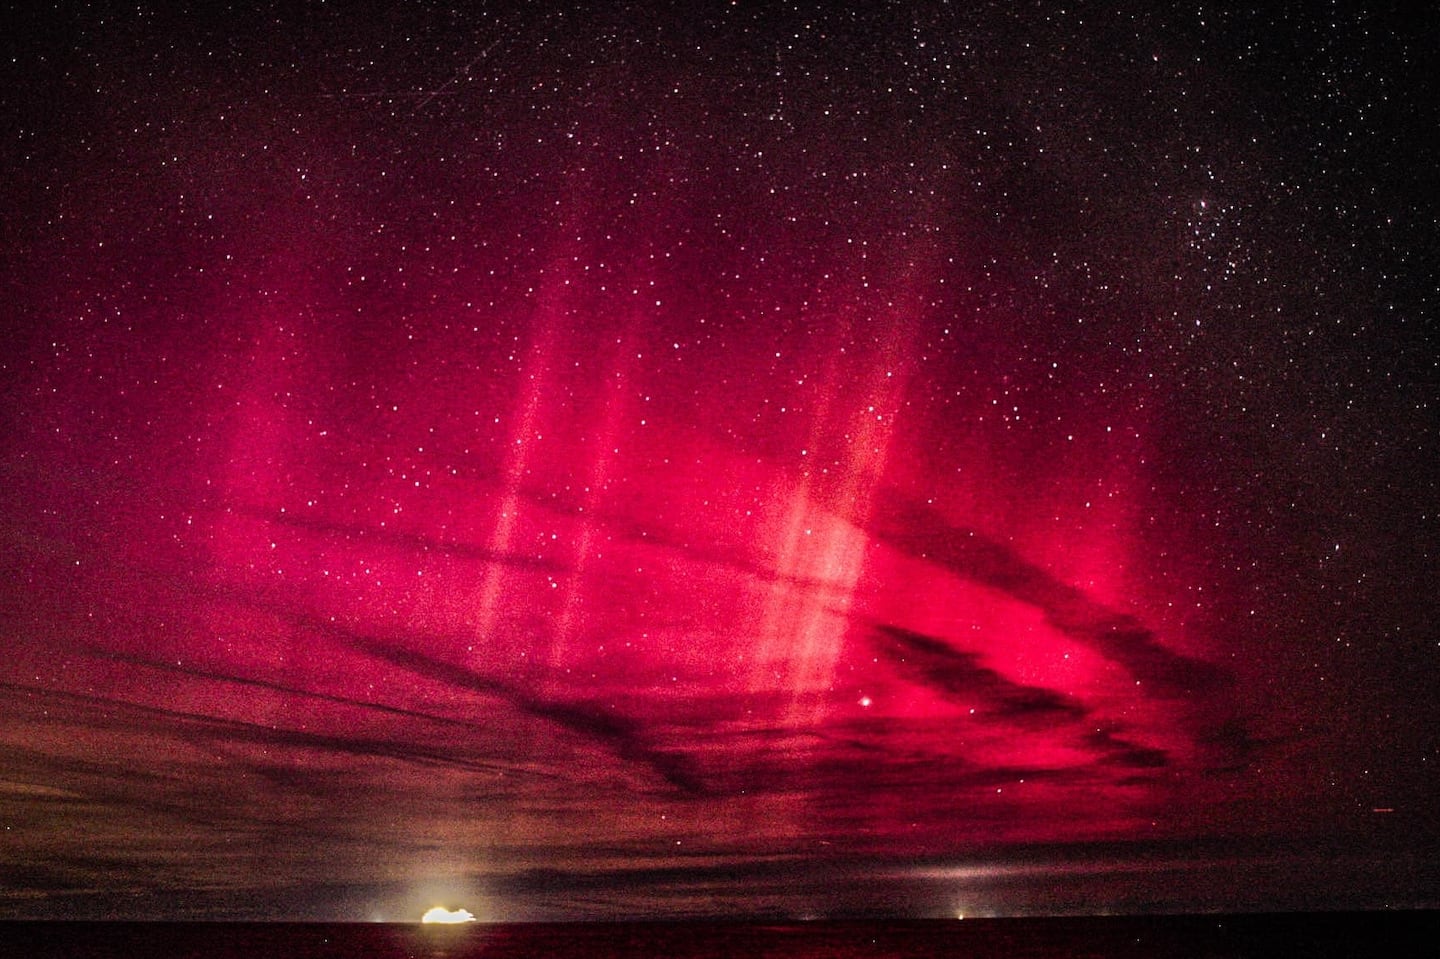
1211,937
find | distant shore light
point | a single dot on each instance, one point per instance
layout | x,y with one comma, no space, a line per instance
441,914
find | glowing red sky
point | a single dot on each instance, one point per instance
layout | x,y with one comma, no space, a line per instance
597,482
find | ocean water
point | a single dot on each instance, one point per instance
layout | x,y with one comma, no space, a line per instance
1375,934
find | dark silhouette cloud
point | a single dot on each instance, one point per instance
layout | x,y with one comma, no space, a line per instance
356,534
924,532
957,675
618,732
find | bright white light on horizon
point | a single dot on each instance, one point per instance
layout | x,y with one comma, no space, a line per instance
441,914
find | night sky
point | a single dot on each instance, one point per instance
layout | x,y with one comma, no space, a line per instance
734,459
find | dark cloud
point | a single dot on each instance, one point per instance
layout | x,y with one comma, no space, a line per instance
958,676
112,713
348,534
924,531
621,734
284,689
1117,751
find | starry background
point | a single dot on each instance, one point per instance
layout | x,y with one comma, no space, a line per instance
717,459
